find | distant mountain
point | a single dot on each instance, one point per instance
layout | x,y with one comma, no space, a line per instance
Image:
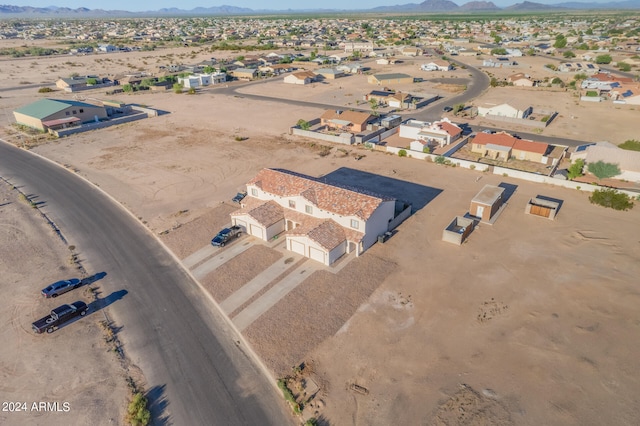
477,6
529,5
437,6
427,6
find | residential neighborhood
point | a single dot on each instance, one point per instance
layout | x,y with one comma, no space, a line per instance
331,217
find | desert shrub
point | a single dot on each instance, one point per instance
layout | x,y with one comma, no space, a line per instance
611,198
427,149
192,91
288,395
303,124
440,159
631,145
472,167
545,119
45,90
177,88
402,153
592,93
575,170
604,170
137,413
623,66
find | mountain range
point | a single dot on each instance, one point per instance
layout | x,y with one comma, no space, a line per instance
428,6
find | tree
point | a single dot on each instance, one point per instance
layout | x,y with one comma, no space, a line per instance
374,106
177,87
604,170
499,51
127,88
603,59
569,54
561,41
575,170
611,198
557,81
303,124
457,108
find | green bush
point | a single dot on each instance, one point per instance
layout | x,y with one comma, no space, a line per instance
611,198
575,170
137,413
604,170
631,145
402,153
603,59
45,90
545,119
440,159
303,124
592,93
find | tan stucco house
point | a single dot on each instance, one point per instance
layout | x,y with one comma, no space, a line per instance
55,114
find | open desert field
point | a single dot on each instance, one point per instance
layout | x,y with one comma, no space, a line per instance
73,368
530,322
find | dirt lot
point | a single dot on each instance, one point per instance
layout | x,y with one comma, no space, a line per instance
72,367
537,319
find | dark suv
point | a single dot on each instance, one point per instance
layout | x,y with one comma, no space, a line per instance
225,235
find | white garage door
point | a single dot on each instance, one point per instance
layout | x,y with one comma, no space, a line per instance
316,254
256,231
298,247
242,224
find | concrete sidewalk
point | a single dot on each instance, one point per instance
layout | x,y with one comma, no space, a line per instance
220,258
265,302
246,292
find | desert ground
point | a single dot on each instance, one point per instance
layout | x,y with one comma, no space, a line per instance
73,365
529,322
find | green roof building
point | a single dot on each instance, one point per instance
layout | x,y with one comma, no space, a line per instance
58,113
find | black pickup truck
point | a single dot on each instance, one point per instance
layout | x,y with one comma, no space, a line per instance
59,316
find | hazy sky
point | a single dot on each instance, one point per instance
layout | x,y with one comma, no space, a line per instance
136,6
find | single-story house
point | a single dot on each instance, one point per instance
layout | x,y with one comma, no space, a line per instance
363,46
244,73
300,77
387,79
347,121
437,65
502,146
320,220
381,96
628,161
411,51
329,73
438,133
58,113
73,84
521,80
350,68
504,110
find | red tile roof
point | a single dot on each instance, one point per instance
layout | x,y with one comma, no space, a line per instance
530,146
452,129
340,200
266,214
327,233
504,139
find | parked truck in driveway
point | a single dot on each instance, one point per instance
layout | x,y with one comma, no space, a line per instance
59,316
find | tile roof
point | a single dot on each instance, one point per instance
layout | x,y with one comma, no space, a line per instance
341,200
301,75
265,213
327,233
530,146
505,139
450,128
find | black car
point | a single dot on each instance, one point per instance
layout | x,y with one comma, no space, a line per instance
59,316
225,235
239,197
447,109
61,287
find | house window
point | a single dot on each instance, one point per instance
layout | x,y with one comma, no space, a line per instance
81,110
74,112
355,224
292,204
254,192
67,112
308,209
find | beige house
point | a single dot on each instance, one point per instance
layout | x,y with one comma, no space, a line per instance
244,73
58,113
319,220
502,146
347,121
504,110
520,80
300,77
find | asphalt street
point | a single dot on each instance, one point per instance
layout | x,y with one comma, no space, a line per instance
196,369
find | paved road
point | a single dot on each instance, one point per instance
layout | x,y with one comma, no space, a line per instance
195,373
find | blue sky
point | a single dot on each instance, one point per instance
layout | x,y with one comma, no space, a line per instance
136,6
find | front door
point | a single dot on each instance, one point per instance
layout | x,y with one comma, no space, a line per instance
480,212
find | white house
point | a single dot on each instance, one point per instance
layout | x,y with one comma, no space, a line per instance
107,48
319,220
197,80
504,110
436,65
438,133
300,77
628,161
